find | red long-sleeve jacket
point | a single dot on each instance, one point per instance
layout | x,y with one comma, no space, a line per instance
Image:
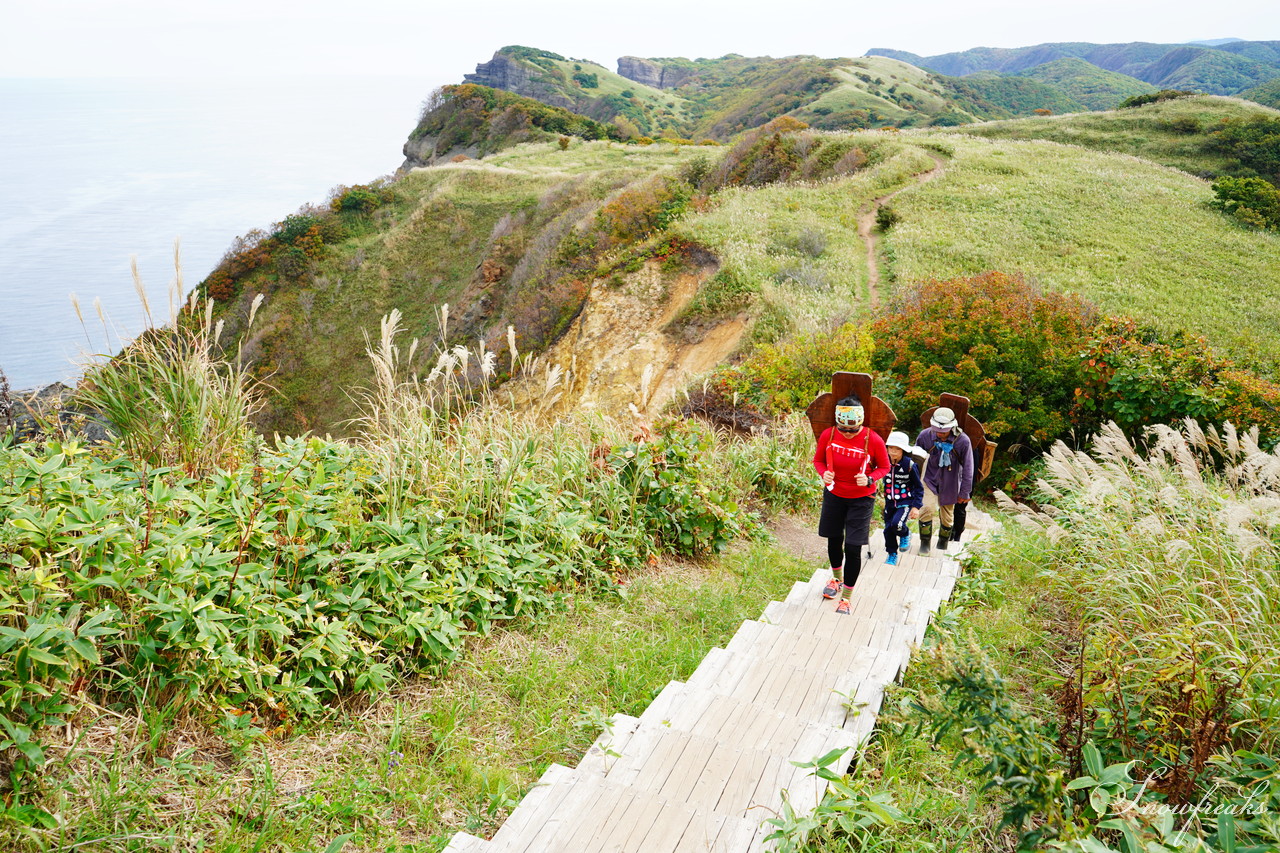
861,453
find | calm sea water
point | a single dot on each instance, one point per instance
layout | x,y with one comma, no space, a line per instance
95,171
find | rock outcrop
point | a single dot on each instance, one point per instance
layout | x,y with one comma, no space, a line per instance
49,409
650,73
512,75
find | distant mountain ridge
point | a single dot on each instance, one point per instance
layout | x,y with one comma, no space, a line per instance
1228,68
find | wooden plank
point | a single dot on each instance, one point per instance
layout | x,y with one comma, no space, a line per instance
632,827
701,833
542,799
609,745
463,842
590,834
558,821
709,668
615,821
667,829
736,835
735,797
713,723
626,768
664,703
658,765
708,788
689,714
767,795
579,811
685,772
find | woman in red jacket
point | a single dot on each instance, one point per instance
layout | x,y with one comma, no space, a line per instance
851,459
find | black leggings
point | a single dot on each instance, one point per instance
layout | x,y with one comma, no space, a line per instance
845,523
838,550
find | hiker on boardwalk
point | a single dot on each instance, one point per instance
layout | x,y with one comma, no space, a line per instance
850,459
948,475
903,496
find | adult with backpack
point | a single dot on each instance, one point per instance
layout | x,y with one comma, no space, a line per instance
948,475
850,459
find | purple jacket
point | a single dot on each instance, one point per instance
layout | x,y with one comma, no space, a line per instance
955,482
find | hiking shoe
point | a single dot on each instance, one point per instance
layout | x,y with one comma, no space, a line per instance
843,607
830,590
905,543
891,560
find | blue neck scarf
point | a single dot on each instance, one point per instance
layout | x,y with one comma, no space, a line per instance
944,460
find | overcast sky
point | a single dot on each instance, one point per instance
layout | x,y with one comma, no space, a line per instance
429,39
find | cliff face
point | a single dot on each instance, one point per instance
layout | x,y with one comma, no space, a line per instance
512,75
651,73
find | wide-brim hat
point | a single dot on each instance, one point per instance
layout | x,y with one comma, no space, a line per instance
944,418
898,439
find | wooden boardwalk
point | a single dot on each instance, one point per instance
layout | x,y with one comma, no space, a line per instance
707,761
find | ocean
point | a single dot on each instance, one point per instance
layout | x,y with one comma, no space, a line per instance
96,171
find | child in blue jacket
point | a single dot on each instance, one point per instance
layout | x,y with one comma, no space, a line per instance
903,496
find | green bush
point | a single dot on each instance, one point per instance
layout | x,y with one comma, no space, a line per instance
785,377
1154,97
1137,376
1252,201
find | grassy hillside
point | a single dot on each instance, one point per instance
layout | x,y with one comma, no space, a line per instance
1171,132
1267,94
998,95
1137,238
428,248
1094,87
1225,70
717,98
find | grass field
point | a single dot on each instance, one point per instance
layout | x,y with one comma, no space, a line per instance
1169,132
799,242
1137,238
857,93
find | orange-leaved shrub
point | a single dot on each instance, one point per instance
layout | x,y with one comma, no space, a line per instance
1138,375
1012,348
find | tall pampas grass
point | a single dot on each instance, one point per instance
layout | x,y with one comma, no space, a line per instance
169,397
1167,554
444,440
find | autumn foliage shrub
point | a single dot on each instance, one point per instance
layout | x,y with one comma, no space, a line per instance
1139,376
1010,347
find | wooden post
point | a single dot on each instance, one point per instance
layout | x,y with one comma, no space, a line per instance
822,411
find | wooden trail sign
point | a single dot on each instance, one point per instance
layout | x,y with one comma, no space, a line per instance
822,411
983,450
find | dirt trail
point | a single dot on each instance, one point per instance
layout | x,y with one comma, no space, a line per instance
867,224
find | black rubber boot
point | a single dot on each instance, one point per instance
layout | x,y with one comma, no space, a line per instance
944,537
926,533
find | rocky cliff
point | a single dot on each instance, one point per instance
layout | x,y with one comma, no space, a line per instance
512,75
651,73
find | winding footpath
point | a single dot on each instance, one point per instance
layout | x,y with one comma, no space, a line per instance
867,224
708,761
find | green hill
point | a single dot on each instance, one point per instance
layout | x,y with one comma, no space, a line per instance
525,238
717,98
1172,132
1227,69
991,95
1268,94
1094,87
